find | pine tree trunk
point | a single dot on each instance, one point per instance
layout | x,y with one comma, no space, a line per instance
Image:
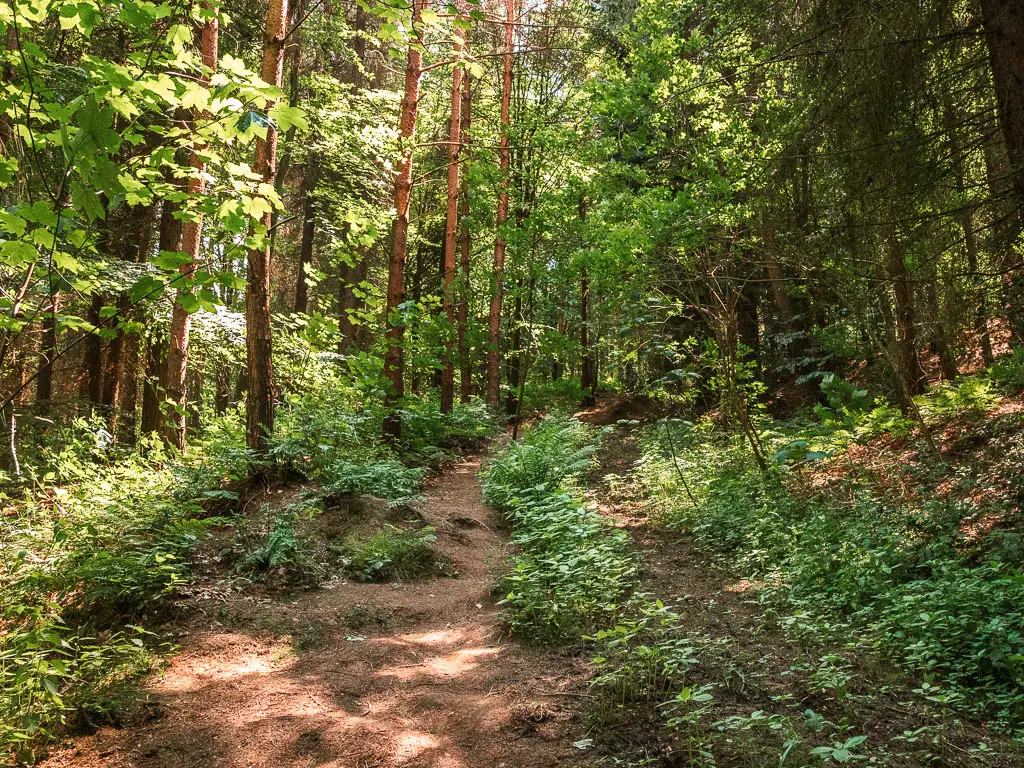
181,320
351,276
154,385
498,272
451,234
940,339
260,394
465,249
394,363
91,385
514,364
906,355
588,377
1003,22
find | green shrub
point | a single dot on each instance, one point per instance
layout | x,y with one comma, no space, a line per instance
572,569
1008,370
393,553
386,479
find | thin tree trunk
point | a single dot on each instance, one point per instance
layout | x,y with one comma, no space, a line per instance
940,339
306,246
394,362
154,385
47,352
908,360
351,276
588,370
981,308
514,364
181,319
451,232
466,250
259,399
498,272
588,381
91,387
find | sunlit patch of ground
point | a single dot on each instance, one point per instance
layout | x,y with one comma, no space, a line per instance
428,678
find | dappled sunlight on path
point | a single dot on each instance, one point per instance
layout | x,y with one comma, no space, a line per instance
444,689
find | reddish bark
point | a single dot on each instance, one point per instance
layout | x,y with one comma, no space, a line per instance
394,362
259,399
451,232
191,234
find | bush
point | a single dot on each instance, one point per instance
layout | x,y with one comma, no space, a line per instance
1008,371
392,553
101,537
572,569
385,479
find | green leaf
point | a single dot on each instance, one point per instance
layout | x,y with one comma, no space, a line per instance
288,117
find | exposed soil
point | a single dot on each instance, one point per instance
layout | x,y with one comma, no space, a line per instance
358,675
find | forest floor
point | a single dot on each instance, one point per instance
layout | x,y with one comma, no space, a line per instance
423,673
770,689
351,675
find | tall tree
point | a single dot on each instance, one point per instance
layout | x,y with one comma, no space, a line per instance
498,271
451,227
465,250
191,236
259,399
394,367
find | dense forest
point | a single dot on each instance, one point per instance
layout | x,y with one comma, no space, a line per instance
648,379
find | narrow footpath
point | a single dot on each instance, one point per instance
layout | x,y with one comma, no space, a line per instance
358,675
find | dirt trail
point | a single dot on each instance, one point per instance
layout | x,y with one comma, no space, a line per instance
359,675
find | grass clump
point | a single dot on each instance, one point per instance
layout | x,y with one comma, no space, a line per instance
572,569
393,553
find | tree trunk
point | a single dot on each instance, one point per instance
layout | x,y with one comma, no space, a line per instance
497,289
259,399
349,302
306,247
466,250
48,351
91,385
154,385
940,338
1003,21
908,361
222,391
588,368
588,373
557,367
191,235
514,364
394,362
1004,32
350,276
451,233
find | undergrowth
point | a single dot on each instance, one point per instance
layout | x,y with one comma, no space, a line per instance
908,575
571,569
95,538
